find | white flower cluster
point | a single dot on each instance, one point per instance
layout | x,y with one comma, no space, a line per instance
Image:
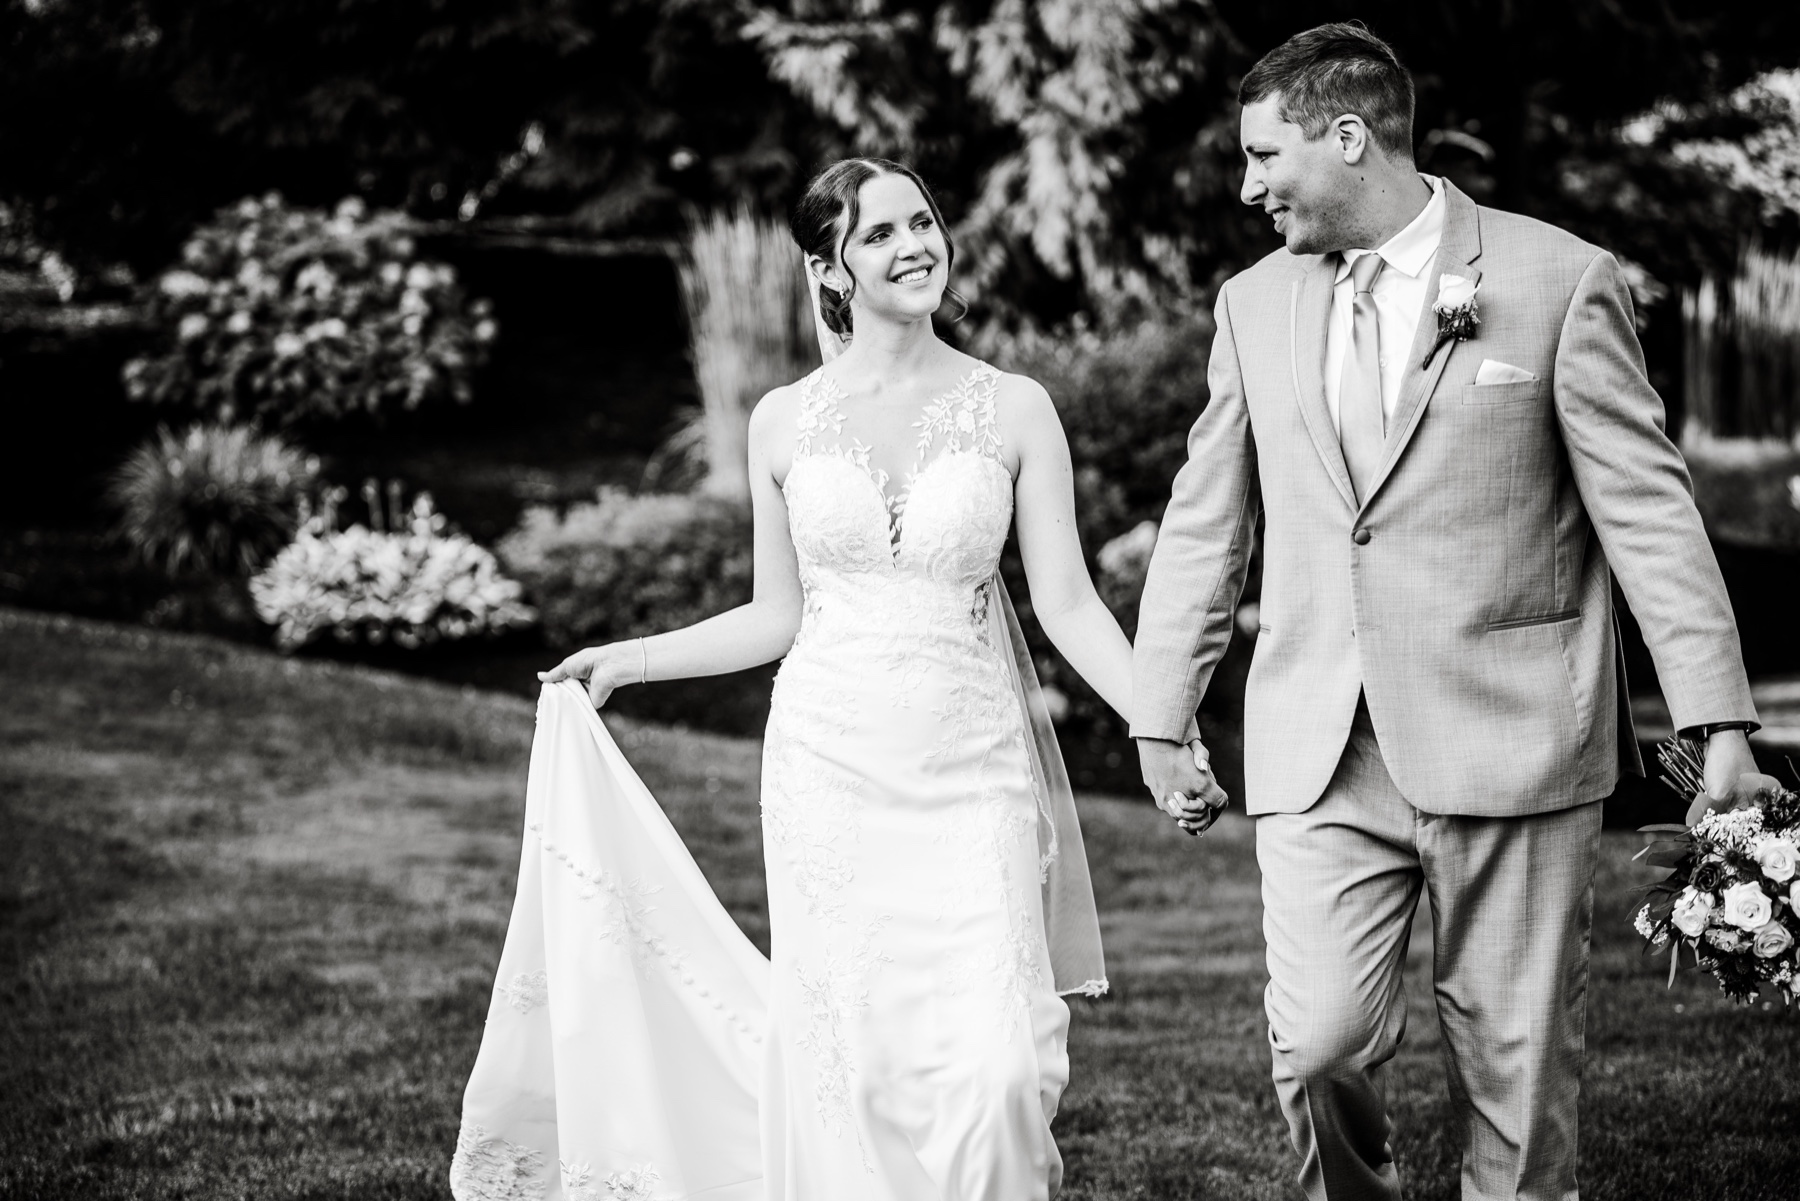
413,587
1731,829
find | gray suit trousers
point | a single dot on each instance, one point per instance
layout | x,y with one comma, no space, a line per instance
1511,904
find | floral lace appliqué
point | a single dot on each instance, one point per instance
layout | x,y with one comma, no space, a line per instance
638,1184
527,991
493,1169
832,995
809,807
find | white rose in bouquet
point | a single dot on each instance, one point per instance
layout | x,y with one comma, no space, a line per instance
1692,908
1772,940
1794,896
1777,856
1747,906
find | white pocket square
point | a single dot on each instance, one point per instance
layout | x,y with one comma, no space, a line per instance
1493,371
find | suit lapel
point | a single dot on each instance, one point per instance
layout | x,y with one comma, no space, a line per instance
1309,313
1457,252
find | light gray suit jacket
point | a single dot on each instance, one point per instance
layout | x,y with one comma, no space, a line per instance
1469,596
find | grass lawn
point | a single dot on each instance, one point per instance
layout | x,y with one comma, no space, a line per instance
250,910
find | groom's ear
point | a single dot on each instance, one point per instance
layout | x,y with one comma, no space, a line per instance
1352,136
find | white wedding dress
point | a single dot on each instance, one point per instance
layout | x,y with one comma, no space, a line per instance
928,894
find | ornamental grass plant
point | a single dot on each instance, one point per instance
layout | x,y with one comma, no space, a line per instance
744,289
213,500
1742,351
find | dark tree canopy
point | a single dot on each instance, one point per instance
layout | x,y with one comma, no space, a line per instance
148,114
1086,148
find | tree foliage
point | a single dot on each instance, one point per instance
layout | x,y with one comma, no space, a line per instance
149,114
1088,139
1522,102
1087,148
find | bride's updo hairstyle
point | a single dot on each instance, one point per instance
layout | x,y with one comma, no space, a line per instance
826,214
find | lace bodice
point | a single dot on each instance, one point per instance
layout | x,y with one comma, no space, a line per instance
936,539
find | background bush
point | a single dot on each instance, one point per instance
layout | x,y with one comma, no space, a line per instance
627,565
214,500
1127,400
288,315
410,586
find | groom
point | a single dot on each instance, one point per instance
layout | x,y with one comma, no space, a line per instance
1440,412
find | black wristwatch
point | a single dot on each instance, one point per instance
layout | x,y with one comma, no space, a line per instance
1702,733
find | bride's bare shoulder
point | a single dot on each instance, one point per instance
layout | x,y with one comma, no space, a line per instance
1023,405
1028,421
773,423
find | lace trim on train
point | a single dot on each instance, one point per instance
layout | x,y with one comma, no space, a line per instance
638,1184
488,1168
527,991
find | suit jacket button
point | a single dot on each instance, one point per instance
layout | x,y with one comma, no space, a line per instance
1360,537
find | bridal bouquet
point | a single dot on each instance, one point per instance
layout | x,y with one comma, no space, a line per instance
1733,898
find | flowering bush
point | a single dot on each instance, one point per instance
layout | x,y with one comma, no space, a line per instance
1733,897
411,586
286,315
625,565
216,499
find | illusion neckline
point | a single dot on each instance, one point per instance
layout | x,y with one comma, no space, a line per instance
856,453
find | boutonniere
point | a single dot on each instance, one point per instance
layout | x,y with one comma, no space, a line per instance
1457,311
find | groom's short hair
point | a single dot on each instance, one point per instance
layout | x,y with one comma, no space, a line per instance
1325,72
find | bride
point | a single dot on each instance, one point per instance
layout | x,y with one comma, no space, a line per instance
929,902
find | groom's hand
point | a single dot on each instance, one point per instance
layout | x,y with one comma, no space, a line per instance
1170,768
1731,775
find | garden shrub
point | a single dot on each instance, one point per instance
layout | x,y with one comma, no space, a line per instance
215,500
411,586
289,315
626,565
1127,399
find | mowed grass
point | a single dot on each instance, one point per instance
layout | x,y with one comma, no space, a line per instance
250,910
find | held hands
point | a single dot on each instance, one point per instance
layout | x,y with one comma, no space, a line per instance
1181,782
1732,778
603,668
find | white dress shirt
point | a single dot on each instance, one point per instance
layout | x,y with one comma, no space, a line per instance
1400,292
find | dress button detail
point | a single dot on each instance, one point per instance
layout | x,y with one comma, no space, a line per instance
1360,537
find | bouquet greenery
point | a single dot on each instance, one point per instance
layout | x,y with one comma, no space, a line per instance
1732,898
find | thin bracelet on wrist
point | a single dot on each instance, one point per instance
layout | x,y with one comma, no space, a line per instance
643,663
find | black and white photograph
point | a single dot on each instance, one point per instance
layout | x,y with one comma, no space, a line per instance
899,600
